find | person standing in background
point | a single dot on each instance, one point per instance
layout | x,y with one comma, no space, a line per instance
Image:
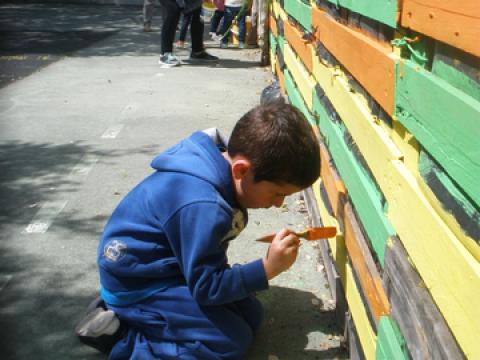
148,10
216,19
171,11
232,12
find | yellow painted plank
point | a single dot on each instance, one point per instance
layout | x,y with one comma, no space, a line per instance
407,144
337,245
449,219
302,77
273,59
367,336
339,253
449,271
276,9
282,14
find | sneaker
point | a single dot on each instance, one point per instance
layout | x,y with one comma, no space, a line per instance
100,328
168,60
241,45
202,55
223,45
147,27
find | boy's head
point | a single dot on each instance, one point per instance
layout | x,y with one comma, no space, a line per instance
274,153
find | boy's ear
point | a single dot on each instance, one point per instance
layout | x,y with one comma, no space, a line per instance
240,168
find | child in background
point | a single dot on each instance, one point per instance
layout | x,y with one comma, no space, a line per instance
232,9
186,20
216,18
167,289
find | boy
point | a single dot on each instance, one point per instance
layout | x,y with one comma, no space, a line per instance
165,279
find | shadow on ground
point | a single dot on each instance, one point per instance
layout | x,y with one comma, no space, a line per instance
289,311
36,35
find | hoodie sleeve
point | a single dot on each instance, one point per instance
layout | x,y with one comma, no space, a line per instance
195,233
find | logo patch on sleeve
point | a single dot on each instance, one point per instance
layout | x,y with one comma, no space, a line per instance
114,250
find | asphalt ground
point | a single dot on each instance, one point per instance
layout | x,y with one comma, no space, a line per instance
84,107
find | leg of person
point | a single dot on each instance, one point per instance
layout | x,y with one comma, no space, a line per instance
100,328
171,15
196,33
172,325
148,9
228,15
186,19
241,31
216,18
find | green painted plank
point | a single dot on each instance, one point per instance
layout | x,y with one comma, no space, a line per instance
390,342
458,68
296,98
300,11
360,186
281,42
273,42
444,120
384,11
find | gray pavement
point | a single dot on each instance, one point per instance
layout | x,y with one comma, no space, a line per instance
77,131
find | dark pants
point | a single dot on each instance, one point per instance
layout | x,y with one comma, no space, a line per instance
216,18
186,19
171,16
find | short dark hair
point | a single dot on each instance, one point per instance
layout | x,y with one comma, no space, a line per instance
279,142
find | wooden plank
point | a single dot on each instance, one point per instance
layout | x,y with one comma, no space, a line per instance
337,245
332,275
445,121
355,351
281,78
384,11
301,46
272,23
421,323
300,11
390,342
361,188
304,81
334,281
429,242
458,68
333,184
454,22
455,209
364,266
294,95
367,60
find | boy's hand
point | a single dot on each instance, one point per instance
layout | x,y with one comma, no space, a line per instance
281,253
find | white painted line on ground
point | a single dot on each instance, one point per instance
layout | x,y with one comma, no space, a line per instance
44,217
112,131
4,280
84,166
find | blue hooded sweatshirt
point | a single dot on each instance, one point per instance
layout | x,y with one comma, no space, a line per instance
173,229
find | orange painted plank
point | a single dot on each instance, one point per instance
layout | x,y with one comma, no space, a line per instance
369,61
272,23
281,79
332,183
365,268
454,22
302,47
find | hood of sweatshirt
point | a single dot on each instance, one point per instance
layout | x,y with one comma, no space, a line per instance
199,157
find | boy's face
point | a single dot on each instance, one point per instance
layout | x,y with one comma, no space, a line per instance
264,194
254,195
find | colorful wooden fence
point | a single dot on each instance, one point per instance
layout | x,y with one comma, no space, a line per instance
392,89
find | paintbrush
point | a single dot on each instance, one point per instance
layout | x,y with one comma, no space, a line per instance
308,234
